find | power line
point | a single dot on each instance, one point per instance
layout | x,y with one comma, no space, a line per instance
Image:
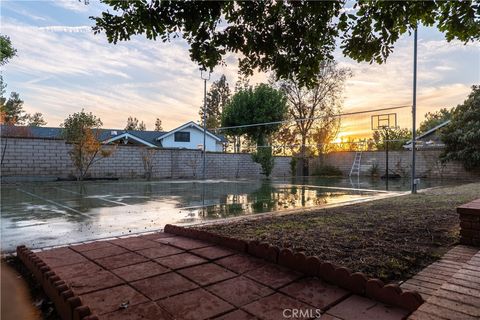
306,119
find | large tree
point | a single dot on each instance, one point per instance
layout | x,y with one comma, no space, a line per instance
315,107
397,137
291,38
462,135
260,105
433,119
12,112
217,98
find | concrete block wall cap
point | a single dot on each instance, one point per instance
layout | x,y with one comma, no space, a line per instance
81,312
410,300
373,287
326,271
67,294
56,288
357,283
341,277
74,302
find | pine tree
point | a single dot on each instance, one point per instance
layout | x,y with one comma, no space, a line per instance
217,97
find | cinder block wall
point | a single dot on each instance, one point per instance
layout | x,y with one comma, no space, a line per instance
428,164
30,157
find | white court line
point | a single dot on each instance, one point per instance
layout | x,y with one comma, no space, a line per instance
116,202
53,202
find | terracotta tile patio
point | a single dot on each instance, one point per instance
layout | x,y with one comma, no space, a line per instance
173,277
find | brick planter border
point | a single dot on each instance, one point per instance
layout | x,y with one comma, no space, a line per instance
357,282
469,214
68,305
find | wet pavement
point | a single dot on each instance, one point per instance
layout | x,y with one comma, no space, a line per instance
55,213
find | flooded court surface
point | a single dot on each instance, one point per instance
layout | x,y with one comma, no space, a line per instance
54,213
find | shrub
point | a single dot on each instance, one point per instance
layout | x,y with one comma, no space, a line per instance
327,171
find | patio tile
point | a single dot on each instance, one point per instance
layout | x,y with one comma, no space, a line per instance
273,275
91,246
77,270
213,253
136,243
140,271
159,250
144,311
315,292
360,308
240,291
236,315
184,243
241,263
163,286
182,260
94,282
109,300
195,305
104,252
120,260
279,306
61,257
207,273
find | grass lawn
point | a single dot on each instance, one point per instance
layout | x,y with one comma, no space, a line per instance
391,239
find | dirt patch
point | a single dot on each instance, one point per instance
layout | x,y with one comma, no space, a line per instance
38,297
391,239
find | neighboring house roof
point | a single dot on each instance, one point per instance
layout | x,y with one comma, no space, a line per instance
149,138
128,136
423,136
187,125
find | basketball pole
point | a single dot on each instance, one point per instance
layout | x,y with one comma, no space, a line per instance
414,110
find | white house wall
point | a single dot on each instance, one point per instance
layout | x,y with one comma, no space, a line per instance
196,139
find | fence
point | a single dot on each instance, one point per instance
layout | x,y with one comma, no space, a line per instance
30,157
428,164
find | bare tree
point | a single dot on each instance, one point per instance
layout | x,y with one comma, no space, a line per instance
313,107
147,155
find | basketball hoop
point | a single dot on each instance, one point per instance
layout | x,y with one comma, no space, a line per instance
384,121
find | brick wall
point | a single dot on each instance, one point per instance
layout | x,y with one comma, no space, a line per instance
27,157
427,164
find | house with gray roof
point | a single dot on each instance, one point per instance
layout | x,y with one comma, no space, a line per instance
186,136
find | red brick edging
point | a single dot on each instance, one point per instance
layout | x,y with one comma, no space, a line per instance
357,282
470,223
68,305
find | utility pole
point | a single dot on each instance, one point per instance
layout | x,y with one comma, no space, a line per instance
414,110
204,149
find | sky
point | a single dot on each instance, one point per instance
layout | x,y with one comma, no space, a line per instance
63,67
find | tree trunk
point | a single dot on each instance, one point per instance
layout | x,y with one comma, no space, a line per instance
303,153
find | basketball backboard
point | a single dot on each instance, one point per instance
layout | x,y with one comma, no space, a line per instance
384,121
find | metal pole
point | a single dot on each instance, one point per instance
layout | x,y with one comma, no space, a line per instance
414,110
204,149
386,158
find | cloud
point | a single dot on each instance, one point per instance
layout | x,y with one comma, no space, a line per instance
66,29
72,5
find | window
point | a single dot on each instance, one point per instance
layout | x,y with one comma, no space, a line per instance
182,136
